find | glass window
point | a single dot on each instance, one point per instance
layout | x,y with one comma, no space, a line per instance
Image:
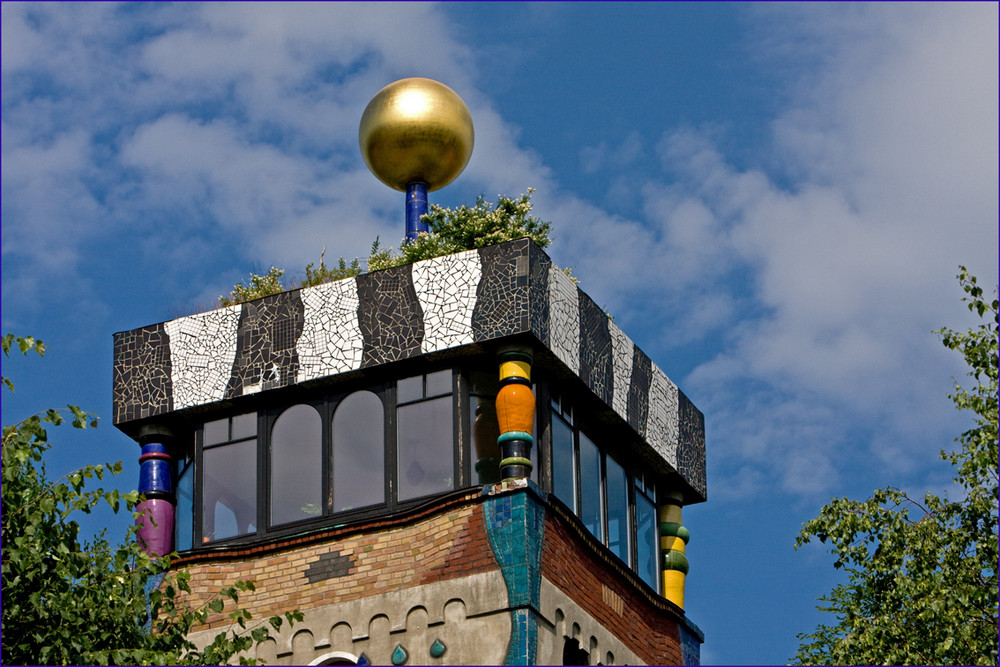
438,383
296,465
647,539
184,524
485,431
410,389
425,445
358,452
216,432
616,488
229,506
244,426
563,477
590,486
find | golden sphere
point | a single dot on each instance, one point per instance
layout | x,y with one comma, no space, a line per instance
416,130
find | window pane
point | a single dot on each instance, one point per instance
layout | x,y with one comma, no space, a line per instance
184,524
296,465
617,490
646,541
358,452
590,486
425,448
230,491
245,426
216,432
439,383
485,431
410,389
563,480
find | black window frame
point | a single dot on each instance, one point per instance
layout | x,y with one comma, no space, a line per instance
556,403
326,400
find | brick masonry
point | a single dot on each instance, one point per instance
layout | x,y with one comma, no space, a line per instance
308,572
646,623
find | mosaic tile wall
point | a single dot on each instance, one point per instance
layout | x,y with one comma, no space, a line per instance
377,318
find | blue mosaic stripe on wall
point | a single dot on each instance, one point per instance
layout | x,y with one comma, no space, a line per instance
691,640
515,525
377,318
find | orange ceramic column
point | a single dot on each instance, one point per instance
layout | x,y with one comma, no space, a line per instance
515,412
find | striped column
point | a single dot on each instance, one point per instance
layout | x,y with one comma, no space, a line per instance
515,412
155,514
673,537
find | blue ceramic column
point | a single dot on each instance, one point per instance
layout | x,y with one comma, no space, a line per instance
416,207
156,513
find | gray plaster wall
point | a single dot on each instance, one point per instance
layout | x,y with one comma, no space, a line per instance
467,615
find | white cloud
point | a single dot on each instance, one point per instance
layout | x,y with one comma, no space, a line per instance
817,279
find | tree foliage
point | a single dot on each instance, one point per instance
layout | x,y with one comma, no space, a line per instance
922,573
260,286
451,231
467,228
72,603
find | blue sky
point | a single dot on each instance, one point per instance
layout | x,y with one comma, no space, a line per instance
772,201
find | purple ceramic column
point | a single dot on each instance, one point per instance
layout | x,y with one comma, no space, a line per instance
156,513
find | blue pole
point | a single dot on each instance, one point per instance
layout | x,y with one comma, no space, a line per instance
416,206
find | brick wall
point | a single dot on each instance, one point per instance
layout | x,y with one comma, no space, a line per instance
645,623
444,542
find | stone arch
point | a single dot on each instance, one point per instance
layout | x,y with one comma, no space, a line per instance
455,611
303,644
416,619
336,658
341,635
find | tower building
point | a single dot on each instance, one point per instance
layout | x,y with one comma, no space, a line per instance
457,461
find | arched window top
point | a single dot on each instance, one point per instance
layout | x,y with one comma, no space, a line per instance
296,465
358,452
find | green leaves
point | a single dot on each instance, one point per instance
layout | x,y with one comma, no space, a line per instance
922,576
260,286
467,228
67,601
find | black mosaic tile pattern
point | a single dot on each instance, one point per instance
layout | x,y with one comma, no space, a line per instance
390,316
501,297
266,357
439,306
538,292
691,445
596,363
638,392
141,386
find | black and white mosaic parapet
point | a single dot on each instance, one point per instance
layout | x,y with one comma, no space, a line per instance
400,313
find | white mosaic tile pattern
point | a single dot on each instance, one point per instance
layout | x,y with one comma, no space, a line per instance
564,319
662,423
202,352
446,290
622,353
331,339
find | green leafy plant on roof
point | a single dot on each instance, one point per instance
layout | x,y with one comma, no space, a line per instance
451,230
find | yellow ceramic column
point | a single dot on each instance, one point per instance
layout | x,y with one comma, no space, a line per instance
515,412
673,537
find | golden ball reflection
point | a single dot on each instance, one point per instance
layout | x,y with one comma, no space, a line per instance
416,130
